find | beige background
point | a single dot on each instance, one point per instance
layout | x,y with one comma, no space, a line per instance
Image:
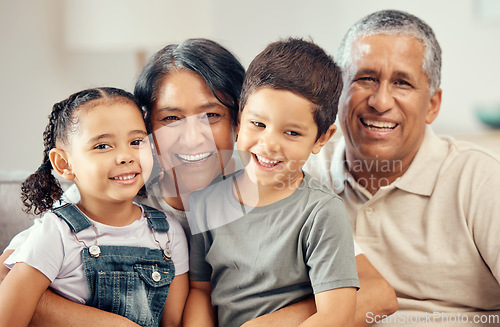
37,68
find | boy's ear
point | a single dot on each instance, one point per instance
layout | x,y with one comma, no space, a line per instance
59,159
325,137
237,130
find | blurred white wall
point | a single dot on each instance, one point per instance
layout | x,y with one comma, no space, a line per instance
37,69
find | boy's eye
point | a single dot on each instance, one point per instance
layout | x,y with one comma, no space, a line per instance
258,124
292,133
102,146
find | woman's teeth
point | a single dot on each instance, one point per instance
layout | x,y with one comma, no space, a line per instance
195,157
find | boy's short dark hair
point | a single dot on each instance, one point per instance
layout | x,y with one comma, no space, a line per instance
300,67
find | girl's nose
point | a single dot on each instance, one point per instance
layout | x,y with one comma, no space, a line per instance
125,157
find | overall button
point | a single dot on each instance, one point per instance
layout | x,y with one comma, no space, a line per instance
167,254
156,276
94,251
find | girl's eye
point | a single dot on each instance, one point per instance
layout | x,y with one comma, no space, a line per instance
138,142
258,124
292,133
102,146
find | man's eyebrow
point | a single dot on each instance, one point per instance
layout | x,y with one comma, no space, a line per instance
366,71
402,75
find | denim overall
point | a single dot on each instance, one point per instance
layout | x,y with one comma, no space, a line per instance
129,281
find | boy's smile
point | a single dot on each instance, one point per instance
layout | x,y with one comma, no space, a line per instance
278,130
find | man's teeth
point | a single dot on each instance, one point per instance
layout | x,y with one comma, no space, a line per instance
124,178
194,158
379,124
266,161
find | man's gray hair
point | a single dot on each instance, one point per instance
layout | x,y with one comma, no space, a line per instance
394,22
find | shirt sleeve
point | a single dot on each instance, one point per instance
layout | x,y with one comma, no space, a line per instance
70,195
357,249
484,214
330,248
20,238
179,246
199,269
43,250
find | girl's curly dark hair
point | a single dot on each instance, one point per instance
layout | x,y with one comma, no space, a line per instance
41,189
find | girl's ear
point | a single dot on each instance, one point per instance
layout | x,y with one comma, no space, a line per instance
59,159
323,139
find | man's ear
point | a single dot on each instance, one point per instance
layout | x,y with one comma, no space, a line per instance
323,139
434,106
59,159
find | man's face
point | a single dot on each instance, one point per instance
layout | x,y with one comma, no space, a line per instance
386,103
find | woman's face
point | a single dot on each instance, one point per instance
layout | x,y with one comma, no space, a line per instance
193,131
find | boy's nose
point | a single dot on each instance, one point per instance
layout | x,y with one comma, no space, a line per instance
270,142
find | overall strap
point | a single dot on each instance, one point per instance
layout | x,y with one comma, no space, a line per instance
72,216
156,218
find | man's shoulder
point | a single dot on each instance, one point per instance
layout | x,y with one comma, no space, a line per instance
464,152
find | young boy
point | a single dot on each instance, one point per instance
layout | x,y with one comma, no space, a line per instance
271,235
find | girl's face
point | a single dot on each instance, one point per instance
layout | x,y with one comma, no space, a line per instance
109,154
193,131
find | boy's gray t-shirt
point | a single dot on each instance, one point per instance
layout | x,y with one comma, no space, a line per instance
271,256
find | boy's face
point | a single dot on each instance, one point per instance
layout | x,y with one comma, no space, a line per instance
109,155
278,131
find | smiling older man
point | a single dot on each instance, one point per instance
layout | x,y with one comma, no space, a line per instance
423,208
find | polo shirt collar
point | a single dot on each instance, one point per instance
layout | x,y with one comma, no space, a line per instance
338,168
421,176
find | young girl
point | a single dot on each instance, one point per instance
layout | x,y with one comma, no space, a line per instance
105,251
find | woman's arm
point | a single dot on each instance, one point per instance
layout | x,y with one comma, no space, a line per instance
55,311
199,311
20,292
375,296
4,270
176,300
335,308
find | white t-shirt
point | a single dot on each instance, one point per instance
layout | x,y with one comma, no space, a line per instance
53,249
